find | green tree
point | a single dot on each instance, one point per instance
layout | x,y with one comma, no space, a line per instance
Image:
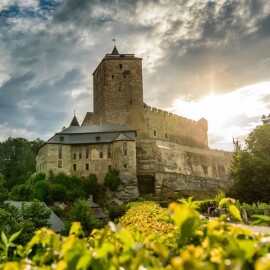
18,160
250,168
81,212
3,190
112,180
27,218
91,186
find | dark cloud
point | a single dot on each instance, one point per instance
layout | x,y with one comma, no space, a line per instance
190,48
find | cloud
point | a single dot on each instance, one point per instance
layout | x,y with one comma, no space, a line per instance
190,49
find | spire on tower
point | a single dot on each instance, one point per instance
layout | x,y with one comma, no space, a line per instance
114,51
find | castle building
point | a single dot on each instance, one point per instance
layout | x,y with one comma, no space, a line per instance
156,152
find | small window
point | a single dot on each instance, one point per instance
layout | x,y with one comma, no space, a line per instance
74,153
59,151
120,66
62,138
166,136
125,166
87,152
80,153
124,76
125,149
120,88
130,102
74,167
101,151
113,77
87,166
109,167
109,150
98,138
60,164
155,133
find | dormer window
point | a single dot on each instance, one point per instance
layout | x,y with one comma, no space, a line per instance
98,138
62,138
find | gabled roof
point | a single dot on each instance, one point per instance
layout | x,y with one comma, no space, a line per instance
123,137
74,122
56,223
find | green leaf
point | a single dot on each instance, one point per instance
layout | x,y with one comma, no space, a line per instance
14,236
235,212
260,219
4,239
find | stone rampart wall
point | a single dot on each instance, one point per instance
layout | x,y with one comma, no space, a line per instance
168,126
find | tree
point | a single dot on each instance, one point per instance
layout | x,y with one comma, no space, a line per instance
28,218
81,212
18,159
91,186
112,180
3,191
250,168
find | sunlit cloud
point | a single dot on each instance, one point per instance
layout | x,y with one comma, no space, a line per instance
223,112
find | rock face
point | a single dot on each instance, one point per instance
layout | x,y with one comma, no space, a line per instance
177,170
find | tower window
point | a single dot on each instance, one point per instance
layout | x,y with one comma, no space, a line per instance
120,66
120,88
166,136
109,151
125,165
155,133
74,167
125,149
74,153
59,151
87,152
100,151
130,102
113,77
60,164
87,166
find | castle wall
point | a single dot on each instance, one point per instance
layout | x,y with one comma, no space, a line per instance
167,126
75,156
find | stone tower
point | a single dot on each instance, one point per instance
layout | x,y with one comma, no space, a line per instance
118,91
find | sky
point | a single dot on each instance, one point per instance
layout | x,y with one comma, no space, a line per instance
201,58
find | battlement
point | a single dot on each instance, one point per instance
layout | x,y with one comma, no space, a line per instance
174,116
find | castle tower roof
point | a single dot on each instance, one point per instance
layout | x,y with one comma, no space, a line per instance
74,122
115,51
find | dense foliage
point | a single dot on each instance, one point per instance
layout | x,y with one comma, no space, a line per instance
112,180
28,219
57,188
18,159
149,237
251,166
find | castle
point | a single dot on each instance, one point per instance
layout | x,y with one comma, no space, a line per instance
156,152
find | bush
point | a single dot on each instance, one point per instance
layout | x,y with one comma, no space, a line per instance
112,180
81,212
58,193
150,238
